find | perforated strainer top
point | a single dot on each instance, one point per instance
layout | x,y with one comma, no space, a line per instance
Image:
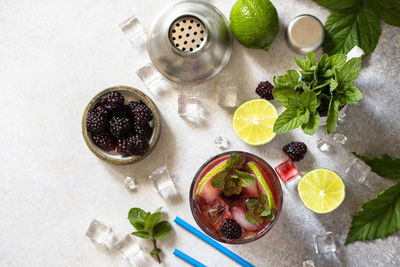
188,34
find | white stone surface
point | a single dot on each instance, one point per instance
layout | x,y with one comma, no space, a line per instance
56,55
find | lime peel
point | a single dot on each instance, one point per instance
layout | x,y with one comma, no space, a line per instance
262,181
210,174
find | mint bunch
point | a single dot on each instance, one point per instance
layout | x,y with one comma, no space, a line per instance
231,180
148,226
323,88
357,23
259,210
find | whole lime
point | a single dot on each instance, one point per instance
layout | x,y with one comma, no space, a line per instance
254,23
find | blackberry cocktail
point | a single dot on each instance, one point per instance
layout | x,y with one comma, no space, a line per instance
235,197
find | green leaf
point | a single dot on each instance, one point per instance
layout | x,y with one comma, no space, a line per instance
334,85
378,218
352,94
300,62
388,10
337,4
158,210
152,220
311,59
347,28
251,203
155,252
285,97
290,80
290,120
162,229
251,218
142,234
233,161
312,126
333,113
338,60
219,180
349,72
385,166
137,218
309,100
245,178
266,212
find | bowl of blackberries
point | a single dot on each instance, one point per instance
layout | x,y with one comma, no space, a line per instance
121,125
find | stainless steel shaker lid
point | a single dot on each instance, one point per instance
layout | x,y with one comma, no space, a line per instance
190,41
305,33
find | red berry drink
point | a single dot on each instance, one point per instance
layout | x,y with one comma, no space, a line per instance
235,197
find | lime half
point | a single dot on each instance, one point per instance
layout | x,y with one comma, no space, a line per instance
210,174
262,181
321,190
254,120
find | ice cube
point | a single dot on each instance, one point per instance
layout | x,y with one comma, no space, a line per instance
240,217
209,193
190,109
323,145
163,183
286,170
152,79
227,96
101,233
131,251
218,213
324,243
339,138
252,190
221,142
358,170
134,31
130,183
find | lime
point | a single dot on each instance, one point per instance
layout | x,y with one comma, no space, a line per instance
253,121
321,190
264,184
210,174
254,23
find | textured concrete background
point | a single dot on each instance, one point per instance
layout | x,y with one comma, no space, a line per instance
55,56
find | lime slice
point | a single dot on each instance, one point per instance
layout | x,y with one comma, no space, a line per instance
210,174
254,120
321,190
261,179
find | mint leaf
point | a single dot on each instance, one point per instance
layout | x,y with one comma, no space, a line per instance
338,60
137,218
285,97
233,161
152,220
312,126
333,114
349,72
290,120
388,10
258,210
337,4
345,29
378,218
245,178
352,95
290,80
142,234
384,166
253,218
162,229
334,85
309,100
219,180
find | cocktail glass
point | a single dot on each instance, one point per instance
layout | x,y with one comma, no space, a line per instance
210,207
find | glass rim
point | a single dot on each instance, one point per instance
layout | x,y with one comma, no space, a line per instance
237,241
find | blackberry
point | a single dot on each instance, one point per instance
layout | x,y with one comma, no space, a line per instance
141,114
112,101
120,125
145,131
96,122
133,145
295,150
103,141
100,110
264,90
230,229
131,106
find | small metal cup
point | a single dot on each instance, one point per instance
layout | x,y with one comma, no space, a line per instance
190,41
305,33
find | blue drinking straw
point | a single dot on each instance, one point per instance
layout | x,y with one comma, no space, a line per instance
212,242
187,258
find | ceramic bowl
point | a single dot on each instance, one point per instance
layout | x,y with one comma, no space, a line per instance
129,94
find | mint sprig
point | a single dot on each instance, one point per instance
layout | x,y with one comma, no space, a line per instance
324,87
149,227
357,23
231,180
378,218
259,210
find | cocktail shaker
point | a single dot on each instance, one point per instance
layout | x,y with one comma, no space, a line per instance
190,41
